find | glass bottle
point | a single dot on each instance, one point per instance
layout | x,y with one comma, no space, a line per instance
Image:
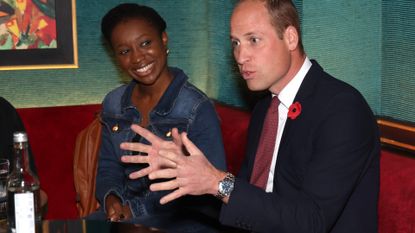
23,190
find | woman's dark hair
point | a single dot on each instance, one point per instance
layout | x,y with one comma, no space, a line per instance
128,11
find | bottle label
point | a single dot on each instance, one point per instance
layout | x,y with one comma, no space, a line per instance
24,212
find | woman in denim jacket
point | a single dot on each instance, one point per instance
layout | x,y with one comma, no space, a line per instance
159,98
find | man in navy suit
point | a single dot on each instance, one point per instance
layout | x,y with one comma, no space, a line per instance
322,173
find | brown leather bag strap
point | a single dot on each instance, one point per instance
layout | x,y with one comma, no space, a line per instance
85,167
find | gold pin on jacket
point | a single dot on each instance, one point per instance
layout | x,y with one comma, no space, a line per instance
115,128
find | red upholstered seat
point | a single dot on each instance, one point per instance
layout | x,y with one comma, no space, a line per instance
397,193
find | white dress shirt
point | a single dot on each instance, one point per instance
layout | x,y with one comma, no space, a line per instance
286,97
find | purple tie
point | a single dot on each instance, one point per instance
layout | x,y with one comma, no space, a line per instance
266,146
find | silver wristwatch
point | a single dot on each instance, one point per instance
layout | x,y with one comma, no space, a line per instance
225,186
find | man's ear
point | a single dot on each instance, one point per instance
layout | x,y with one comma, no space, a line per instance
291,37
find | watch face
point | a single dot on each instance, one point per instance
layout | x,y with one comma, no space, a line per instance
225,186
221,187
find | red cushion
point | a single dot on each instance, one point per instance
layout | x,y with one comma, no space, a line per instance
52,132
397,193
234,125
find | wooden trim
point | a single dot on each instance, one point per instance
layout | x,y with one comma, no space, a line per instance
400,135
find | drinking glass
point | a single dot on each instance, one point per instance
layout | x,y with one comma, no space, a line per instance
4,172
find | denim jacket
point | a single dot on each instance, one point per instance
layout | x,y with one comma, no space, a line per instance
182,106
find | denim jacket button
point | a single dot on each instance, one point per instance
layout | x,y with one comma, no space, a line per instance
115,128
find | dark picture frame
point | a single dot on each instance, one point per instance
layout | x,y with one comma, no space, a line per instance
65,55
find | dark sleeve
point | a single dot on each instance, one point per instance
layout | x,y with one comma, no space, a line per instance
110,177
344,142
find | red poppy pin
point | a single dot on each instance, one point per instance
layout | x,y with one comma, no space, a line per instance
294,111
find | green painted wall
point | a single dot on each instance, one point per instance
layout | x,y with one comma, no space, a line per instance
398,59
344,37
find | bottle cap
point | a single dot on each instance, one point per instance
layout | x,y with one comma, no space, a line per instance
19,137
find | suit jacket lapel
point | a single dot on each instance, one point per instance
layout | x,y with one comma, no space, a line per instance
303,95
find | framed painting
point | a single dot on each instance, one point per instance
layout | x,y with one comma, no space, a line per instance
38,34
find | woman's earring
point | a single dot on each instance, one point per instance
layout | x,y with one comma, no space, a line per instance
167,51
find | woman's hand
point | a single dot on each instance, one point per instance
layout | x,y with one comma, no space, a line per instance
115,210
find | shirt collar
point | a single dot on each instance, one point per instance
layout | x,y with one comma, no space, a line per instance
289,92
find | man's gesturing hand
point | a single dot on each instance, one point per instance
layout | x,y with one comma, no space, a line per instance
193,174
154,161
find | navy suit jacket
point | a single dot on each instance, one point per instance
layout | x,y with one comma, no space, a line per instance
327,171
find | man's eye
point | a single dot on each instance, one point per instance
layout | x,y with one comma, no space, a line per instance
234,43
254,40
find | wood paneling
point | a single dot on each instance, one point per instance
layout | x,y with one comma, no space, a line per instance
400,135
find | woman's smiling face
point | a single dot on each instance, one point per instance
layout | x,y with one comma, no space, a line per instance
140,50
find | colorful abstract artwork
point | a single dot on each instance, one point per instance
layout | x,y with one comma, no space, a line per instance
27,24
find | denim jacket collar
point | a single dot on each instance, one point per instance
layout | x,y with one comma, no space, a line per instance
166,103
